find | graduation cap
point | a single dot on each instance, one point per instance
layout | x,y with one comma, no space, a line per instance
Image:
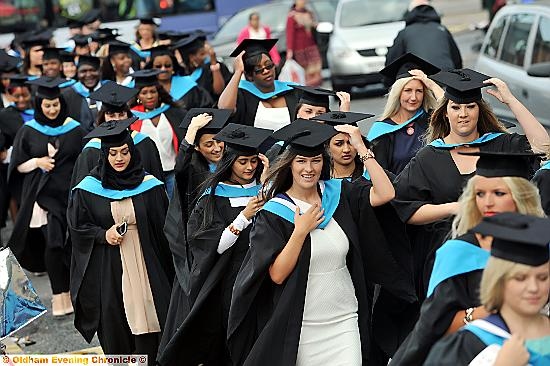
517,238
172,35
104,35
219,119
74,23
146,77
93,61
253,47
400,68
116,47
52,53
191,43
159,51
342,118
503,164
112,131
243,139
90,16
8,63
18,81
67,56
114,96
48,87
150,20
306,138
35,39
314,95
462,86
81,40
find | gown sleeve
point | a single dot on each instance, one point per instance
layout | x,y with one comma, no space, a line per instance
458,349
542,180
436,315
412,187
382,150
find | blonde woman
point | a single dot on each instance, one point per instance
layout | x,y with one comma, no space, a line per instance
500,185
514,289
398,135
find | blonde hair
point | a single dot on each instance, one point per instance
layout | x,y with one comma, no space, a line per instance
440,127
495,275
524,193
394,98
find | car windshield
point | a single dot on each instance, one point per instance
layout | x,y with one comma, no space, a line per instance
365,12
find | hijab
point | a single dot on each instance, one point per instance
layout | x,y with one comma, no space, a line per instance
41,118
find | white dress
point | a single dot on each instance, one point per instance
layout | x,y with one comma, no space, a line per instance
330,331
271,118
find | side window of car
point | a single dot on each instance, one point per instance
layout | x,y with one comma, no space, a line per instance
541,48
515,41
491,49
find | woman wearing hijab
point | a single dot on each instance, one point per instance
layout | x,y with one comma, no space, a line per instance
514,291
122,270
44,152
217,234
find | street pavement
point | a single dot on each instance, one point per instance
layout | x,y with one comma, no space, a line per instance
49,335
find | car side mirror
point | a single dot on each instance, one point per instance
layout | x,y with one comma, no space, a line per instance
541,70
325,27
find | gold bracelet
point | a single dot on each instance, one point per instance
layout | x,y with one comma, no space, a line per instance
233,230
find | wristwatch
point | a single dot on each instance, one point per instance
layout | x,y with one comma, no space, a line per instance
368,155
469,315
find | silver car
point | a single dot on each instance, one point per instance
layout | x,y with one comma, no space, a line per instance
363,32
517,45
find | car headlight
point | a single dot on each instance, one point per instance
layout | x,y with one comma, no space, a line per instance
340,49
381,51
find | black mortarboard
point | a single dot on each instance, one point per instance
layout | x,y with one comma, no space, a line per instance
146,77
306,138
48,87
159,51
172,35
253,47
104,35
191,43
81,40
244,139
315,96
150,20
74,23
113,96
504,164
517,238
93,61
8,63
67,56
342,118
35,39
462,86
116,47
90,16
18,80
52,53
400,68
219,119
112,131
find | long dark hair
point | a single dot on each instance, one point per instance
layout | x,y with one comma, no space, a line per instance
279,179
222,173
107,70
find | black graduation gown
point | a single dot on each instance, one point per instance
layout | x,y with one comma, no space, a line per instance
384,146
10,122
78,109
201,337
265,319
432,177
197,97
437,313
50,190
96,268
89,158
206,79
458,349
542,180
247,106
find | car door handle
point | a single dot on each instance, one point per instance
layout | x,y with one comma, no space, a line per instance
525,93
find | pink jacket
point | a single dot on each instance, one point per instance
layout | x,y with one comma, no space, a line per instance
274,54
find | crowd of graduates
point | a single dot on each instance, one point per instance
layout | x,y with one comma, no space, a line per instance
206,217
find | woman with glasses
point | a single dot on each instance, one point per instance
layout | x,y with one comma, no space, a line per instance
260,100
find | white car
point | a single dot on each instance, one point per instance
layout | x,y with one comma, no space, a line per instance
363,31
516,49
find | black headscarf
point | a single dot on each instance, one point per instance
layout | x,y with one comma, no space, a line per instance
41,118
130,178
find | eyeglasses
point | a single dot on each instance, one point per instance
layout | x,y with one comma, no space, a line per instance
262,69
